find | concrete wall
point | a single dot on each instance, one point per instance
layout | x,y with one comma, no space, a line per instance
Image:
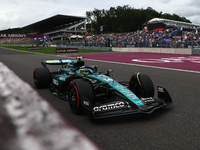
155,50
83,47
29,122
135,49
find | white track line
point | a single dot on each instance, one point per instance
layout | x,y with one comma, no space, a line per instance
155,67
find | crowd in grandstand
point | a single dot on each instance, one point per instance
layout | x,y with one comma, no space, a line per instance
142,38
146,37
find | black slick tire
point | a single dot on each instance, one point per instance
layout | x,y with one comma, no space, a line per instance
141,85
41,77
80,91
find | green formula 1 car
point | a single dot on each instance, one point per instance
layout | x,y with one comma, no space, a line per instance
97,94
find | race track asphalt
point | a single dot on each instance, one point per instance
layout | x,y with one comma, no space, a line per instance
175,127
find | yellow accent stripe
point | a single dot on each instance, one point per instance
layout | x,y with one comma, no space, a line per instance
138,79
79,57
120,94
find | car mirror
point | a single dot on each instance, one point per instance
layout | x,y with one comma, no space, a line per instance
109,71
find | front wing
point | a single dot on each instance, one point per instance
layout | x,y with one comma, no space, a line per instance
121,108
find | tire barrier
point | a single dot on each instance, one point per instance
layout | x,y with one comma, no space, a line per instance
29,122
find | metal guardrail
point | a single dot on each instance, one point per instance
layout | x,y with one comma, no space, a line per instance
163,43
107,45
159,44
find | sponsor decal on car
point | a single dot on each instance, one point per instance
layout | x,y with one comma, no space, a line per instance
132,96
55,82
148,100
86,103
62,79
108,79
66,61
53,61
109,106
160,89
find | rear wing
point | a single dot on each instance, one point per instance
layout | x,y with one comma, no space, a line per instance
55,62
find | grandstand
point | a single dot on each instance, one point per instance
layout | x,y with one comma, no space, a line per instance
164,23
65,31
60,26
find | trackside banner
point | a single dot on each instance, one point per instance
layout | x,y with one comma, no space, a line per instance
66,50
21,35
33,48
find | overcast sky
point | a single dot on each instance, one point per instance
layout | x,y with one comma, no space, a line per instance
19,13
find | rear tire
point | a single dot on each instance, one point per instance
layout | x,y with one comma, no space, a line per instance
80,90
41,77
141,85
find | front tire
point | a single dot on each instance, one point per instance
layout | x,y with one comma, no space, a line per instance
41,77
141,85
80,91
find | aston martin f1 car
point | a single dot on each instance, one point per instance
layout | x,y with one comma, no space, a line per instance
98,94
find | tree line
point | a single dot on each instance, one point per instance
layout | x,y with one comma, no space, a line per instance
124,19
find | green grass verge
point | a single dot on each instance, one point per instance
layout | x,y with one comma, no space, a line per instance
49,50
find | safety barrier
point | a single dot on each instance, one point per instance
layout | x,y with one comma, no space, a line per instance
155,50
29,122
132,48
138,49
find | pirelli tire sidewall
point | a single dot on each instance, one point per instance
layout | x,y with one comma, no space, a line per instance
84,94
134,85
147,85
41,77
141,85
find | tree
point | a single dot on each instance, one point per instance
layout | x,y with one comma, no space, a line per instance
126,19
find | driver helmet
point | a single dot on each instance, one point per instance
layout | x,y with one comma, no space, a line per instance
86,71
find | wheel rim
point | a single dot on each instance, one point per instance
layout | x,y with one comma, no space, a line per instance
74,98
35,78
